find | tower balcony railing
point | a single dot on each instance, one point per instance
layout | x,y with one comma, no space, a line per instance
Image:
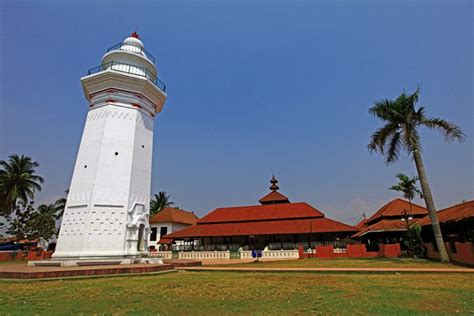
130,69
133,49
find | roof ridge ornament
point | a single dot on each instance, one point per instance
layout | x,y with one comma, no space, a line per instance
274,184
135,34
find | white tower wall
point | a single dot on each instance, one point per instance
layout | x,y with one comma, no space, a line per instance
107,207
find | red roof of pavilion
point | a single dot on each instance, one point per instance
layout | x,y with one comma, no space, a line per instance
165,241
266,227
383,225
276,216
174,215
361,224
274,197
395,208
452,214
261,213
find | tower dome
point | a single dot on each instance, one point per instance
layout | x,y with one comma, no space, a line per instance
128,60
130,56
134,40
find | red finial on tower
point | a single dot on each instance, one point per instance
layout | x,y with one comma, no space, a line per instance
135,34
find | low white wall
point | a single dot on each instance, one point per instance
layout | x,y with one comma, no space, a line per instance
204,255
280,254
244,254
161,254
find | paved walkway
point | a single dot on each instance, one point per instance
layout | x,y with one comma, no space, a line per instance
22,271
336,270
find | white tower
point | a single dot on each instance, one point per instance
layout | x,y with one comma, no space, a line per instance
107,206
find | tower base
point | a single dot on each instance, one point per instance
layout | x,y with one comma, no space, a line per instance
93,261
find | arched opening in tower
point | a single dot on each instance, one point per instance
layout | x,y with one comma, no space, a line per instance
141,241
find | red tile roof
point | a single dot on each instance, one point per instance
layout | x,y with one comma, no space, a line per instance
165,241
361,224
261,213
452,214
267,227
395,208
274,197
383,225
174,215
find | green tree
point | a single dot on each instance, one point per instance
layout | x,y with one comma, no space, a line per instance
43,221
4,224
20,224
159,202
60,205
400,131
34,223
407,186
414,242
18,182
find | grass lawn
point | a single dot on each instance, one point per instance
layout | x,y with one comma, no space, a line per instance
14,262
347,263
210,293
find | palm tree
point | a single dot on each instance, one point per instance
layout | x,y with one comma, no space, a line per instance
60,205
408,187
159,202
43,221
400,131
18,182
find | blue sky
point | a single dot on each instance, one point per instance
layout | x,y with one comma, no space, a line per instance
254,88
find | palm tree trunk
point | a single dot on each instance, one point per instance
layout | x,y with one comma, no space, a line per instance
425,188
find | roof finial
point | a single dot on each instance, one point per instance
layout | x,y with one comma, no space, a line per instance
274,187
135,34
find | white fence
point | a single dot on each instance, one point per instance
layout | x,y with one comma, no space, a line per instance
204,255
245,254
161,254
280,254
209,255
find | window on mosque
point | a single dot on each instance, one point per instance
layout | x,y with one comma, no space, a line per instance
163,231
153,233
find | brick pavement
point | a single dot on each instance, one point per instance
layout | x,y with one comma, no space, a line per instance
22,271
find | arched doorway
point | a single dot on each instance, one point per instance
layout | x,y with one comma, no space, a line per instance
141,242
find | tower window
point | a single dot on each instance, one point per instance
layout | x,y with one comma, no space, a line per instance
116,153
85,166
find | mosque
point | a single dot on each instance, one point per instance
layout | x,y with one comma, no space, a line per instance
274,224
